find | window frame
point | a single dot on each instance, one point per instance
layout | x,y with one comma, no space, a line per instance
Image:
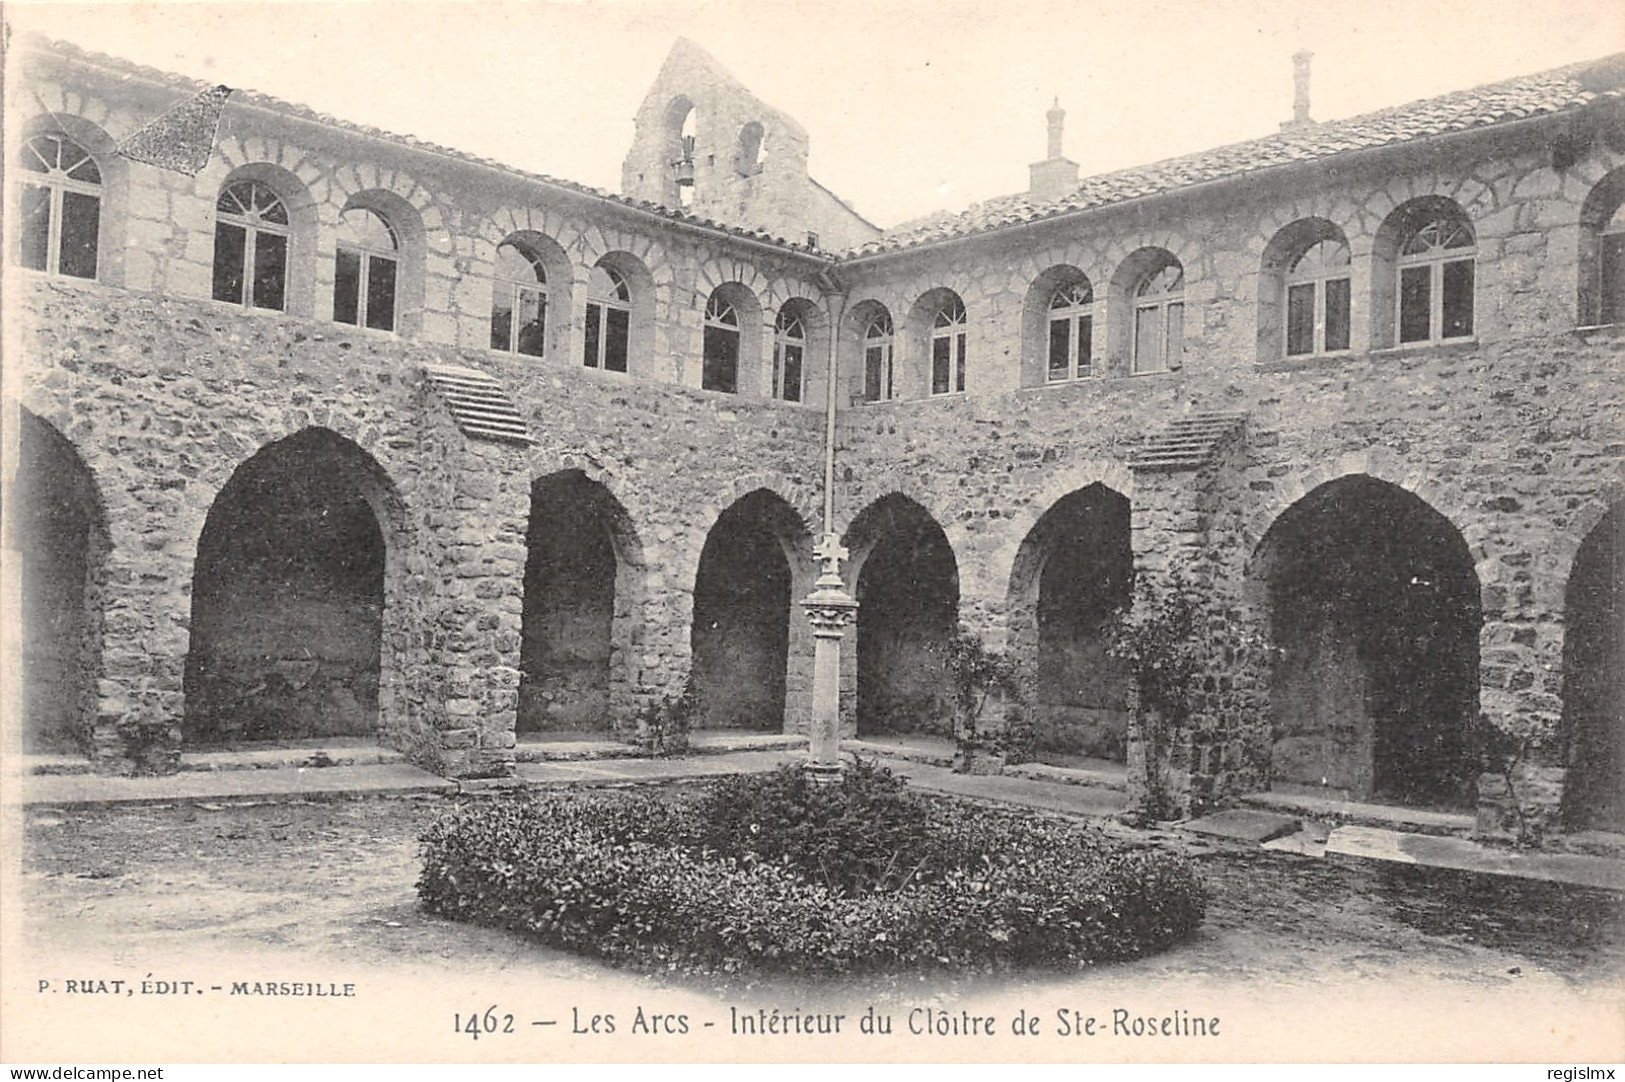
949,324
1075,315
513,290
1610,285
57,182
784,341
1166,302
595,336
1435,260
883,344
1320,280
367,255
721,325
254,223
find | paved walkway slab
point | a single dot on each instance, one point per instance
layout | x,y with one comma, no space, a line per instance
1244,825
624,771
89,790
1101,777
1005,789
1372,843
1315,806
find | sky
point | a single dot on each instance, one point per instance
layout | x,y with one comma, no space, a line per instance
911,106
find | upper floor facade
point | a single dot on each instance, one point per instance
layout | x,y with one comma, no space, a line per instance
1449,224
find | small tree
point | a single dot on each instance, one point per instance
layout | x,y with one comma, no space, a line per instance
1157,634
977,673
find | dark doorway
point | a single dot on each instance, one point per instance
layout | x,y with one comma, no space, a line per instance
741,631
61,540
569,622
1079,562
908,595
1374,613
288,598
1594,679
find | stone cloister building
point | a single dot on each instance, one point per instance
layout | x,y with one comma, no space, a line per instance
324,432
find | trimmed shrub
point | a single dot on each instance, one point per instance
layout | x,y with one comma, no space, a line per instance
639,878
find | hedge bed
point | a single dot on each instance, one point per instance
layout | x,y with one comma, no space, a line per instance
770,873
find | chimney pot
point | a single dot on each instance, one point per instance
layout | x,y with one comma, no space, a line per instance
1300,91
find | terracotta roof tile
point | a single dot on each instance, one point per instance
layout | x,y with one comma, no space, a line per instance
1527,96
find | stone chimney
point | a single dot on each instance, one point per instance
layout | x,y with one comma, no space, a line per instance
1056,175
1300,91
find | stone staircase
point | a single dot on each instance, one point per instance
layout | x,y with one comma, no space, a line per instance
478,403
1187,443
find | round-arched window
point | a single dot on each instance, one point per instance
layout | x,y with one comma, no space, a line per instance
59,207
519,302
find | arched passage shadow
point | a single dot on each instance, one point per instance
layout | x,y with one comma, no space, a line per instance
1374,612
288,596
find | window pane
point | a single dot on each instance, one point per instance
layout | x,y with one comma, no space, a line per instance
720,372
502,318
380,294
346,287
79,215
1415,300
1337,314
1612,308
871,374
1176,335
270,270
1060,348
939,365
617,331
589,355
230,243
1458,299
959,363
792,373
36,227
532,322
1300,320
1086,342
1148,339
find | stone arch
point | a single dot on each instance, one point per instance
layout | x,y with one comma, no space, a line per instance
1120,302
559,271
303,228
907,585
733,367
678,137
112,219
745,639
580,622
814,351
640,281
1601,297
914,360
1592,728
407,221
58,529
1372,601
1378,463
856,385
1036,344
299,583
1385,252
1275,265
751,149
1074,568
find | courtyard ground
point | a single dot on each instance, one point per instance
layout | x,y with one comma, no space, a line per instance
1350,959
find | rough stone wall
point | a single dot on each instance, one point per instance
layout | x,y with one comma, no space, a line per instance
1513,437
165,398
